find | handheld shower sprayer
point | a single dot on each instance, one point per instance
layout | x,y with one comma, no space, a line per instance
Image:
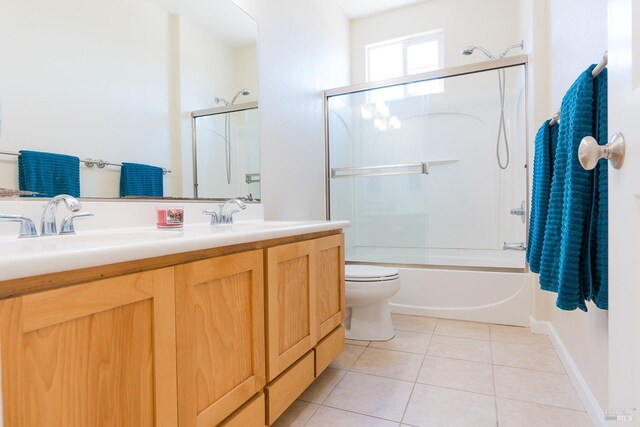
502,83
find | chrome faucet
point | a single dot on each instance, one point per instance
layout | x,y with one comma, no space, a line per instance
27,227
223,217
48,221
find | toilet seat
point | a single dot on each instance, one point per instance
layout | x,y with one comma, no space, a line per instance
370,273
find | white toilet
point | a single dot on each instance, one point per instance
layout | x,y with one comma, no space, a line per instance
367,292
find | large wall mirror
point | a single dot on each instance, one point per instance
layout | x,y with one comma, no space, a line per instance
171,84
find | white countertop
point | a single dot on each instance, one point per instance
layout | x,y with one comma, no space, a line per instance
42,255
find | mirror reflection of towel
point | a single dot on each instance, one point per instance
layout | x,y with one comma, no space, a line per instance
141,180
48,174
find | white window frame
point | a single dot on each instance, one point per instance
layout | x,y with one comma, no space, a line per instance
407,41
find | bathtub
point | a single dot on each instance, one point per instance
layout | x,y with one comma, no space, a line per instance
482,296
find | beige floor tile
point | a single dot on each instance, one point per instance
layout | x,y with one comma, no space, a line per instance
331,417
358,342
460,348
318,391
517,335
435,406
370,395
527,356
388,363
423,324
297,415
547,388
463,329
459,374
411,342
348,357
512,413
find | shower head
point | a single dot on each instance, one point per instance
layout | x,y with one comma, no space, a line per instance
513,46
468,50
243,92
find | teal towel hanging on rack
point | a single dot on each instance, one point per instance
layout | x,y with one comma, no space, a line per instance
570,199
545,150
599,231
141,180
573,262
48,174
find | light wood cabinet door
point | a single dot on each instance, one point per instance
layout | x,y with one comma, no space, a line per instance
95,354
220,329
330,308
291,304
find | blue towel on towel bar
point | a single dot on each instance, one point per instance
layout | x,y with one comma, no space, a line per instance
545,150
48,174
570,200
140,180
598,233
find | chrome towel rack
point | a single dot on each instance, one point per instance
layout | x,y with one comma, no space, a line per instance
102,163
383,170
88,162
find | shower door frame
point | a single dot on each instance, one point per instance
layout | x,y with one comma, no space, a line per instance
461,70
228,109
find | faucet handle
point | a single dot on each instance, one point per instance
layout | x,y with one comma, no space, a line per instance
68,226
27,227
215,218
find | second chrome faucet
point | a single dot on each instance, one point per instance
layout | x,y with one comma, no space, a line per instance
224,215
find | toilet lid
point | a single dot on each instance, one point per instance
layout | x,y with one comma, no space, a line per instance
369,273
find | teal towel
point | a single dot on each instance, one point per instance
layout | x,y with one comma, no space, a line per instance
545,148
574,252
570,200
137,180
599,232
48,174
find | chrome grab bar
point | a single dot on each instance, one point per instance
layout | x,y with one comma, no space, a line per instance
423,168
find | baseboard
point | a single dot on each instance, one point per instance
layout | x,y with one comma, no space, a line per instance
587,397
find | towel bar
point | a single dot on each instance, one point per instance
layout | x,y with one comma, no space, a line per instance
590,151
423,168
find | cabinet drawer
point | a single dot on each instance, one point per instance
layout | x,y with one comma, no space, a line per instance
251,414
285,389
329,348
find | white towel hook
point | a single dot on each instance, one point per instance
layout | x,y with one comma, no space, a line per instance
590,151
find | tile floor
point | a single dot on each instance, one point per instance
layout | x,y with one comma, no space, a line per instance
442,373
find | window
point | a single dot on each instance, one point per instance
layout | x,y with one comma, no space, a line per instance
402,57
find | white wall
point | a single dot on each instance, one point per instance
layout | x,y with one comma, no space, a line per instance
487,23
303,49
578,38
67,80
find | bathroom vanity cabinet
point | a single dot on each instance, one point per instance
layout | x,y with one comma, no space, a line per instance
228,336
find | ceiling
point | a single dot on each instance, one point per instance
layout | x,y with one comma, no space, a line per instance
223,18
359,8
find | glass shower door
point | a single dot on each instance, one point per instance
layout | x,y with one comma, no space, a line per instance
415,169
